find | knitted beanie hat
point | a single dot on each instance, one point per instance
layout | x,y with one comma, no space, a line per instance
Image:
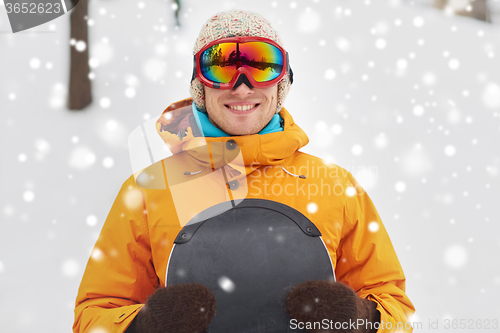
230,24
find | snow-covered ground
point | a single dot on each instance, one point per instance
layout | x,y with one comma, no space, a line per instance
406,98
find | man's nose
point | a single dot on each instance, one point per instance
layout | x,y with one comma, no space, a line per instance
242,91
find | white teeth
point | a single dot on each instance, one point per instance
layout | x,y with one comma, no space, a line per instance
242,107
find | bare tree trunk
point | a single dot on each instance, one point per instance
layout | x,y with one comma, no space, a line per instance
177,12
440,4
480,9
80,94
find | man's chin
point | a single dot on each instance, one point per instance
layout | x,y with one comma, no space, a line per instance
237,126
241,131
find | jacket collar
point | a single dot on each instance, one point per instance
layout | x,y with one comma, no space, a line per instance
257,150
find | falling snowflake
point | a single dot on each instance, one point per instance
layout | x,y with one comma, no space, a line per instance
429,78
28,196
102,51
381,141
42,146
80,46
491,95
35,63
402,64
418,110
337,129
373,226
91,220
400,187
380,43
226,284
455,256
130,92
105,102
154,69
450,150
309,21
108,162
350,191
97,254
161,49
81,158
343,44
330,74
133,198
454,64
70,267
312,207
58,96
418,22
357,150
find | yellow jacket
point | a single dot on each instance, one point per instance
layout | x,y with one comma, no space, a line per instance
130,257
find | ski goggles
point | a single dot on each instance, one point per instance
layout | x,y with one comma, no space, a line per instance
220,64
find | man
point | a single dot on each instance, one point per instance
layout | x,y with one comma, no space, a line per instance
240,80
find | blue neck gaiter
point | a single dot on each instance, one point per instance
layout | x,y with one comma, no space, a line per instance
208,129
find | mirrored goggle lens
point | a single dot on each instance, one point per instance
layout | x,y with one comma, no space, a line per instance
220,62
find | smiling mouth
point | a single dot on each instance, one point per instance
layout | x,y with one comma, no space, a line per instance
242,107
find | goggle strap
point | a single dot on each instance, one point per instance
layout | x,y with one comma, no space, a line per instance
289,69
194,69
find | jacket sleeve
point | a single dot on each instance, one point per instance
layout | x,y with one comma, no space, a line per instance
120,273
367,262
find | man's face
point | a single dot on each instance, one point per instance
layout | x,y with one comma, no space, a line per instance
241,111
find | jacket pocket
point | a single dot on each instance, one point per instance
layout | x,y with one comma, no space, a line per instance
127,312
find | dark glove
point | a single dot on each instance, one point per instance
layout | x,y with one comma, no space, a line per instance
315,301
184,308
